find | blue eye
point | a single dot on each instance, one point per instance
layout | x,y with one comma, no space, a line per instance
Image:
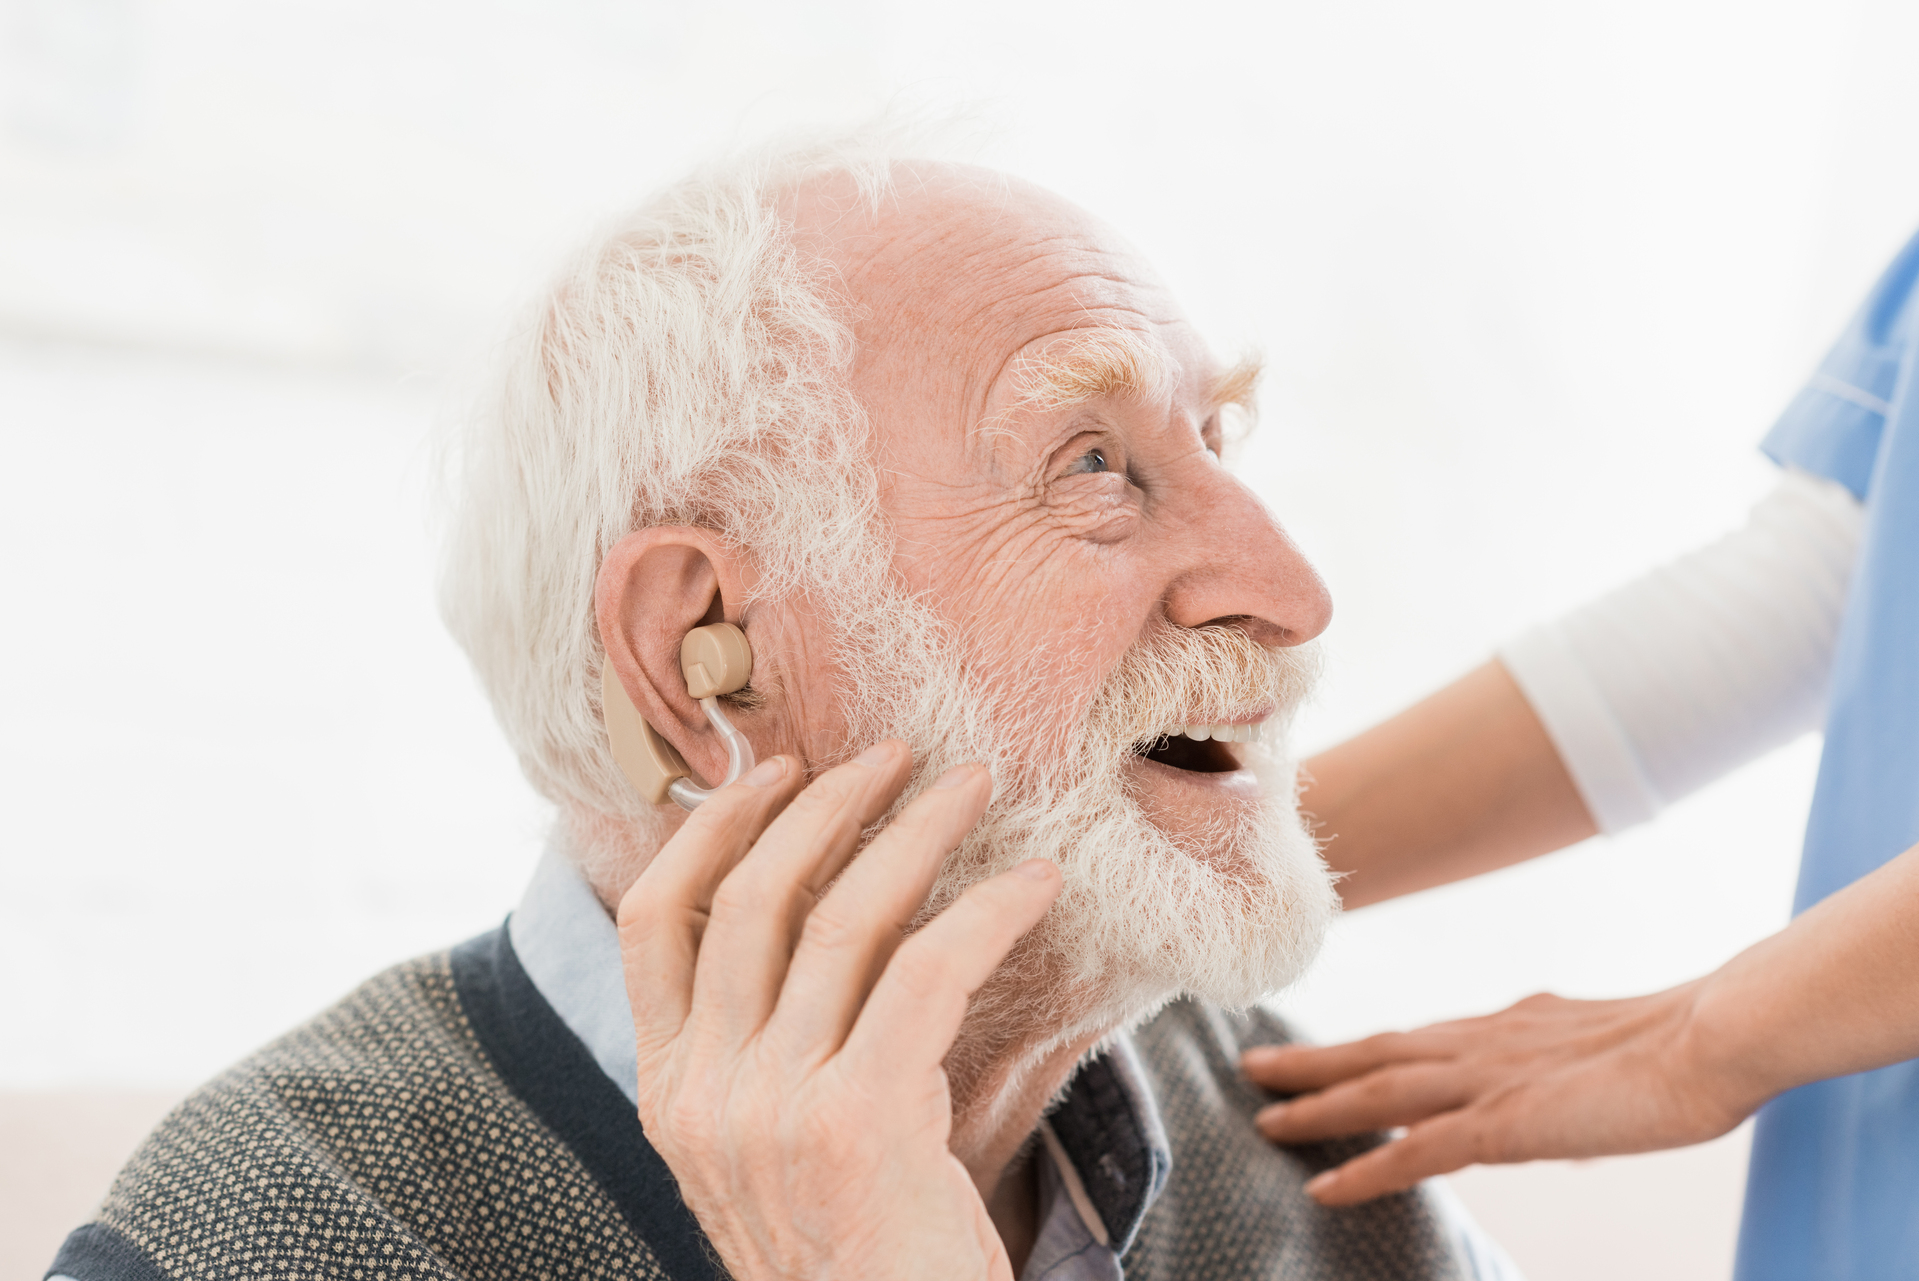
1093,460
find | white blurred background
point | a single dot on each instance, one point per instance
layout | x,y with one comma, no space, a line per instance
1532,279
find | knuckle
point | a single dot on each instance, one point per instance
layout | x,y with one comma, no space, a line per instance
639,916
1375,1088
1493,1149
688,1122
829,930
983,911
921,972
1486,1147
825,796
925,812
740,896
649,1006
1270,1072
711,822
1382,1044
1304,1115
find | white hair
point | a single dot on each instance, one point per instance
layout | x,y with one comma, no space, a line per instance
688,368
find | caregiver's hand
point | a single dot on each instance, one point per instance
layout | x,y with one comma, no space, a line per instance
790,1045
1548,1077
1835,992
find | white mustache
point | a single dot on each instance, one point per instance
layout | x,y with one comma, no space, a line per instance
1176,677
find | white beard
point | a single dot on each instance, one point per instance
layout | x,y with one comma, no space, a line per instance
1227,914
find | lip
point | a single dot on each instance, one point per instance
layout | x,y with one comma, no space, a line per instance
1239,784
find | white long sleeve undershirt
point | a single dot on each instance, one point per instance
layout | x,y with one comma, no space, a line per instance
1663,685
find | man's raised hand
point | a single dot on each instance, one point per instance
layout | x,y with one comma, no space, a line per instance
790,1045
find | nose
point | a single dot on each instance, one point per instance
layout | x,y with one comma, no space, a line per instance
1235,566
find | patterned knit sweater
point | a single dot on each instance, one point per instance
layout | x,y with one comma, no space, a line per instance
443,1122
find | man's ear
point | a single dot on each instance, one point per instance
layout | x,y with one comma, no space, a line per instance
655,586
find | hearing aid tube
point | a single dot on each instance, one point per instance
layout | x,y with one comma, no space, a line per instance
739,758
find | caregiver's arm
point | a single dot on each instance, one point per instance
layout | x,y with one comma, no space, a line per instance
1461,783
1835,992
1598,720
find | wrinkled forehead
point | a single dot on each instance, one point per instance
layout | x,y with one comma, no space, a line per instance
965,276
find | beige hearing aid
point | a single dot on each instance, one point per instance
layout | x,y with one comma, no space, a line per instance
715,660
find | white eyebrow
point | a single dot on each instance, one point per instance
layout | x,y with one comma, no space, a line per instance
1239,384
1087,365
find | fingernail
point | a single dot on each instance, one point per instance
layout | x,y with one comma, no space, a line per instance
1035,869
767,771
1322,1183
874,756
1268,1116
952,778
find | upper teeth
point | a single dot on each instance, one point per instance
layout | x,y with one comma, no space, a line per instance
1224,733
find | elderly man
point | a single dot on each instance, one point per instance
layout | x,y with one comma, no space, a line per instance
942,986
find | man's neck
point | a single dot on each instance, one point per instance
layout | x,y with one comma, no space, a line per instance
996,1112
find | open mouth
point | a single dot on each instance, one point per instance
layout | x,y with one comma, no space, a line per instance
1200,749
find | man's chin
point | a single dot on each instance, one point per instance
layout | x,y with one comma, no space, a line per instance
1253,917
1229,914
1222,897
1217,892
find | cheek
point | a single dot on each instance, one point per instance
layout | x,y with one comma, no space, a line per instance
983,575
796,674
1042,617
1043,677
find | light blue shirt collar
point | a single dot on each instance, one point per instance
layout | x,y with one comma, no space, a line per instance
568,946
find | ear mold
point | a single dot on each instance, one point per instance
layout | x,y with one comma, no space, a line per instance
715,660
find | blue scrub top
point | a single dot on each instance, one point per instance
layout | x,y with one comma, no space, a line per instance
1834,1188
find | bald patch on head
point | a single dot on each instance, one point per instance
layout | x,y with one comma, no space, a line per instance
979,301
